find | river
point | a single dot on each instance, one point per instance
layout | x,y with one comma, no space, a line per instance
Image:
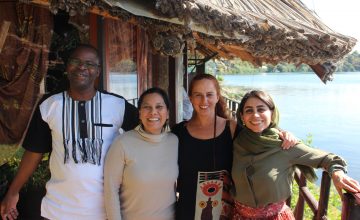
330,113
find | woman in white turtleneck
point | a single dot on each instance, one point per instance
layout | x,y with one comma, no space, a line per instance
141,165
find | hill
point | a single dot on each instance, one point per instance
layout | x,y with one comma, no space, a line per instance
350,63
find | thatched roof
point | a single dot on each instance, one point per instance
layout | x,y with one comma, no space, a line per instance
258,31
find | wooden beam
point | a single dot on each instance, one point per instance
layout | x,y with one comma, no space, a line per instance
210,46
95,10
43,3
320,71
106,14
243,54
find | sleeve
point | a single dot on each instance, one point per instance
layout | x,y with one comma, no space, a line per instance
131,117
113,174
38,135
308,156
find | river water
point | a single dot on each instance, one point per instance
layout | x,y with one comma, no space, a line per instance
330,113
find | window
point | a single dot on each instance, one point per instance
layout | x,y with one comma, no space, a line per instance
121,56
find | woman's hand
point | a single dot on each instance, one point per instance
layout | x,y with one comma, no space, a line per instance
342,181
289,140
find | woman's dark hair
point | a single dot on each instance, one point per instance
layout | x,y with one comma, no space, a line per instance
220,107
160,92
263,96
152,90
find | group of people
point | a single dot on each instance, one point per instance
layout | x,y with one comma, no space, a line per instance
209,167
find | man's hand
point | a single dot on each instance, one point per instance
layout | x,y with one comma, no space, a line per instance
28,164
8,206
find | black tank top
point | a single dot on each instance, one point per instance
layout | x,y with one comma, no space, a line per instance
198,155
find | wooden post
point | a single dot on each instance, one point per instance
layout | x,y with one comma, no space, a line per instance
102,47
299,209
175,89
142,54
200,69
324,196
185,62
172,91
345,209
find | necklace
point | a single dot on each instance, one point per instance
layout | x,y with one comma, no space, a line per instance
214,143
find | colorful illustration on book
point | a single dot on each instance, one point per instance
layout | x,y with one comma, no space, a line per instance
209,195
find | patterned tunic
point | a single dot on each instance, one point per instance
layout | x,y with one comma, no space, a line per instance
78,135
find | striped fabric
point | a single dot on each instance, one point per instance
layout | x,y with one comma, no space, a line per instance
82,129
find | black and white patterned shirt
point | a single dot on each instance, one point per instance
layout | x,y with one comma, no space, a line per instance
78,135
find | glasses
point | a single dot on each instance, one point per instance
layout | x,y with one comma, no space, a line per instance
86,64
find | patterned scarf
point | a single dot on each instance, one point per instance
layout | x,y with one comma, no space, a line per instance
81,133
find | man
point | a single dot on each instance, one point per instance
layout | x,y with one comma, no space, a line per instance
76,126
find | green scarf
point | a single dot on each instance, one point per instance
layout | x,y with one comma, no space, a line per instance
267,142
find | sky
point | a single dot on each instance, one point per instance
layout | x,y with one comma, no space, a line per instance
341,16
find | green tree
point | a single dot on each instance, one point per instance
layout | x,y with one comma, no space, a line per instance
350,63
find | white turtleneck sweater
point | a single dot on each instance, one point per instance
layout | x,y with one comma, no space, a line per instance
139,177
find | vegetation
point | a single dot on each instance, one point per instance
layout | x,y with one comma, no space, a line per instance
334,206
7,151
233,92
350,63
9,169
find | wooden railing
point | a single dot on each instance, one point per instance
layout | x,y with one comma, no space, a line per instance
350,202
232,106
319,208
350,206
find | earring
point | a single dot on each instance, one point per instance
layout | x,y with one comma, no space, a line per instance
166,127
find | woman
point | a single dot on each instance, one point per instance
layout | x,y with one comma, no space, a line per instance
141,165
259,164
205,154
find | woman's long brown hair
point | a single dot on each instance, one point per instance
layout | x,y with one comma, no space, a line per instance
220,108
